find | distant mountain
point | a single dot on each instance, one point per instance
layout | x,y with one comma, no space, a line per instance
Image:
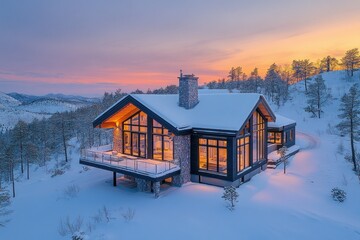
17,106
24,98
7,101
74,98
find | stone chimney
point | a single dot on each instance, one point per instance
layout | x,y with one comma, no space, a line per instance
188,91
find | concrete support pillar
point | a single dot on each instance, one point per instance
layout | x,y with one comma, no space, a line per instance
156,189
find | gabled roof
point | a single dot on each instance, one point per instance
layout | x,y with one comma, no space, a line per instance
222,111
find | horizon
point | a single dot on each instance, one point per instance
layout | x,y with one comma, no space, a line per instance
88,47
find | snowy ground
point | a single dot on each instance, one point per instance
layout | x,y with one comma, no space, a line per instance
271,206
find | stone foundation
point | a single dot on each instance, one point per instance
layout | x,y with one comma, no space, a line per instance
176,181
156,189
143,185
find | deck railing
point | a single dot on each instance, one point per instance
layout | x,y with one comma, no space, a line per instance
129,163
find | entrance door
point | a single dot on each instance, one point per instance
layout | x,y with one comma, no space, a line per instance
142,145
135,144
138,144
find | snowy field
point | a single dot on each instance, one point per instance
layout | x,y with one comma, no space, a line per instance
272,205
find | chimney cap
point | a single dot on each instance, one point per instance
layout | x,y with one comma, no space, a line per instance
187,76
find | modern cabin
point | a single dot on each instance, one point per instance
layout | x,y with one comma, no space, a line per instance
219,139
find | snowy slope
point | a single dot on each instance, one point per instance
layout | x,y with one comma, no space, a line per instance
7,101
272,205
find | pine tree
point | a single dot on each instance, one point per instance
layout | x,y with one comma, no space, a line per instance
231,196
275,87
328,64
253,84
351,61
350,115
317,96
20,133
303,69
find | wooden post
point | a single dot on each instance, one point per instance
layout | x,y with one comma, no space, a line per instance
114,179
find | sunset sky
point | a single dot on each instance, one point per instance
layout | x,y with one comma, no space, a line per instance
87,47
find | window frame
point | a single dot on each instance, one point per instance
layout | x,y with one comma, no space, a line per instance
218,147
258,131
129,128
164,132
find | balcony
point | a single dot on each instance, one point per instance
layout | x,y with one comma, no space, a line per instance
149,169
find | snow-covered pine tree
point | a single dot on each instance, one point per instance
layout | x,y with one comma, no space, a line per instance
253,83
317,96
231,196
275,88
350,115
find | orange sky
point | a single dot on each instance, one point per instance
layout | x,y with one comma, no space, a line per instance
76,48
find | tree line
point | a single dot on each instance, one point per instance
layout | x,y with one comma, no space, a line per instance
278,77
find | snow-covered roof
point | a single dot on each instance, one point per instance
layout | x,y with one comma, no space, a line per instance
280,122
224,111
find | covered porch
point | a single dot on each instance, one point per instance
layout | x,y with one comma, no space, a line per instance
146,173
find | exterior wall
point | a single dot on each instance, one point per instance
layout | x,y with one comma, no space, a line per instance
182,158
289,142
117,140
215,181
285,137
188,91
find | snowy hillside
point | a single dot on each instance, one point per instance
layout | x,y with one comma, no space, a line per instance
15,107
273,205
7,101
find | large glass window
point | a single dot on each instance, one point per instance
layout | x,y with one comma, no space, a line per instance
163,145
243,153
258,136
213,155
134,135
274,137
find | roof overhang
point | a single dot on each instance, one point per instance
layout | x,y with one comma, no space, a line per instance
265,110
104,120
